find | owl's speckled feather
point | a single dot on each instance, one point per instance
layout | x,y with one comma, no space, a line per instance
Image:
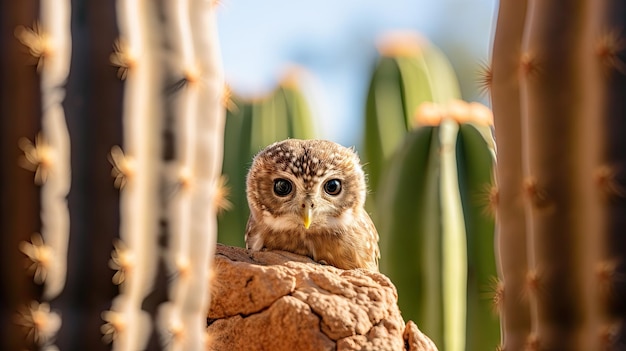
341,232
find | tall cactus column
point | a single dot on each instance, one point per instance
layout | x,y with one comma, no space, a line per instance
76,210
434,211
137,254
571,92
67,112
605,118
551,80
170,170
197,117
510,217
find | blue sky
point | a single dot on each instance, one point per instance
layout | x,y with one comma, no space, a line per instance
335,42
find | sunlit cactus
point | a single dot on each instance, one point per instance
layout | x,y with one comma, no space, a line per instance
172,180
558,101
429,161
437,228
127,165
410,71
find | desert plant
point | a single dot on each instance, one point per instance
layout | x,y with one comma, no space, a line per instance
427,180
558,97
410,71
252,124
436,229
167,116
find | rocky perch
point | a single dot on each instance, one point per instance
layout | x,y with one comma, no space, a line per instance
276,300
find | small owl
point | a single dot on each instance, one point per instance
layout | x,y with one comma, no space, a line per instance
307,197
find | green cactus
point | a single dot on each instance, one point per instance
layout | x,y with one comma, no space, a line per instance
558,93
437,234
475,166
410,230
409,72
436,241
250,126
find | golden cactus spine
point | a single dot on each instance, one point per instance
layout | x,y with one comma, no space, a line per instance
48,155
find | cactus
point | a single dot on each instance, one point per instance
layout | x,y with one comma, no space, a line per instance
436,232
571,80
511,230
427,187
169,121
410,71
250,126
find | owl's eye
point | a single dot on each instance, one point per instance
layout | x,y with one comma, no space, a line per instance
282,187
333,187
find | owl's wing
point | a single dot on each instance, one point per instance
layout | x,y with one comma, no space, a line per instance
371,237
254,240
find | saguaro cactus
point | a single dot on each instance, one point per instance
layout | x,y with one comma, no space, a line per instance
430,181
437,232
410,71
168,121
172,185
559,67
511,220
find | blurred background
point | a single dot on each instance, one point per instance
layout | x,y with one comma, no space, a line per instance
335,42
404,82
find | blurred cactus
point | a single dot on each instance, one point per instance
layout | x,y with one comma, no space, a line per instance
250,126
511,224
410,71
558,94
436,229
167,115
430,180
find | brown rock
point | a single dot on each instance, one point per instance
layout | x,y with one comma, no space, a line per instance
277,300
415,340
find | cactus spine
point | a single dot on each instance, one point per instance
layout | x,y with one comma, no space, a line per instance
571,89
49,156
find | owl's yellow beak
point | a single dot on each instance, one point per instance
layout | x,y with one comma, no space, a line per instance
307,215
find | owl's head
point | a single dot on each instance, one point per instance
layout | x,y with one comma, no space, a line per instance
302,184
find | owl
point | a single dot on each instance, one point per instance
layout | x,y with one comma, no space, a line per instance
307,197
